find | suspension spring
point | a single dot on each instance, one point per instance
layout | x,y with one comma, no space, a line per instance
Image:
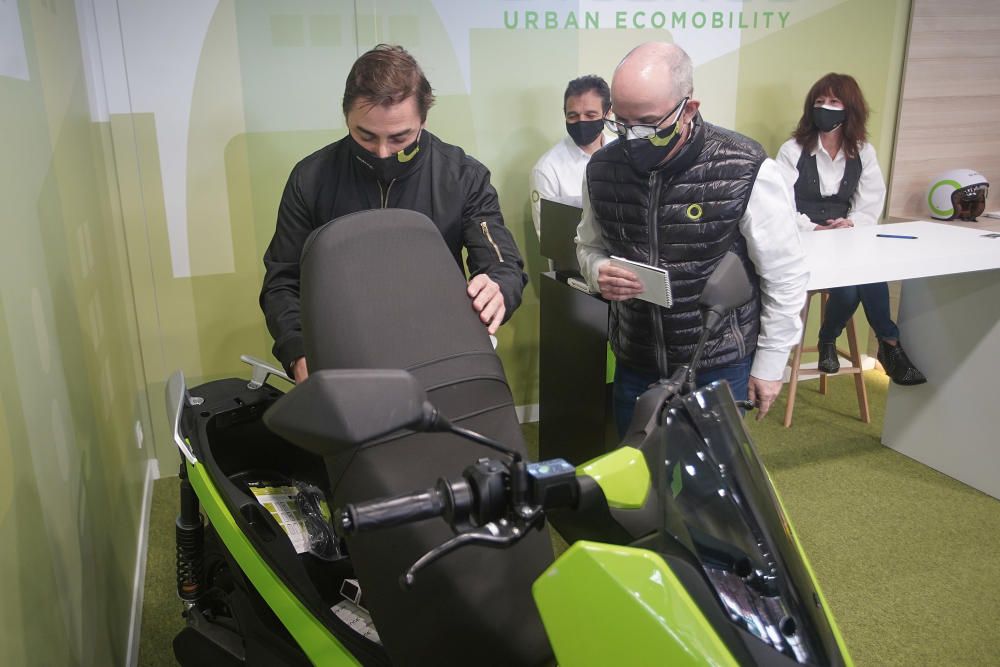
190,559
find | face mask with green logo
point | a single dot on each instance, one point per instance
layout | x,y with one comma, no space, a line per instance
647,153
397,165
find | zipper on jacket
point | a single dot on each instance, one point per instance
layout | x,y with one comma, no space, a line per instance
384,197
489,237
654,258
734,326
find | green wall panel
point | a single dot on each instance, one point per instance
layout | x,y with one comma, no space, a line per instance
73,390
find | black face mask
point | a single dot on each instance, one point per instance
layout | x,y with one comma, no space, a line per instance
397,165
647,154
585,132
826,119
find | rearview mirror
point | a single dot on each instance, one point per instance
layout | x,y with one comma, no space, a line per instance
727,287
334,410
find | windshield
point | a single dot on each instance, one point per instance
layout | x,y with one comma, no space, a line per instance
717,501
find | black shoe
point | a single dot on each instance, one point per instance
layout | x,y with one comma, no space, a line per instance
829,362
898,366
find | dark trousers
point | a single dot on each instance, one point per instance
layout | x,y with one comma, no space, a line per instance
631,383
844,301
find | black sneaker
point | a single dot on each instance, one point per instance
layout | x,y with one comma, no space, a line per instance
898,366
829,362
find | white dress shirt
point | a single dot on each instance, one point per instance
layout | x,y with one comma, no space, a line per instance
558,176
868,199
773,243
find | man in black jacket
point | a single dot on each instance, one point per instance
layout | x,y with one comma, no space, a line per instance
388,160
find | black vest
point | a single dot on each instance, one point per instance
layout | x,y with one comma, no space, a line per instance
683,217
808,199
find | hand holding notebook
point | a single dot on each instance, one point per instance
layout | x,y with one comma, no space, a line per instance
655,281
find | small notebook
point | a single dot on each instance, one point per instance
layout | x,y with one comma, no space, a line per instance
655,281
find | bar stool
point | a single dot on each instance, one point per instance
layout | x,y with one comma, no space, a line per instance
854,354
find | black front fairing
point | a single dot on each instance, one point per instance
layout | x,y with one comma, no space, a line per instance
715,498
714,518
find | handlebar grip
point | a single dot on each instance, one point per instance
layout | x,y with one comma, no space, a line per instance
392,511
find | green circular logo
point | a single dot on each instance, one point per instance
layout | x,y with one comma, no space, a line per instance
930,198
694,211
535,196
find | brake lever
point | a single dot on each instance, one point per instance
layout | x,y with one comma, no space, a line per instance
495,534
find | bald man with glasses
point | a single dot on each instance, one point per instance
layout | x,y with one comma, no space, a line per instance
679,193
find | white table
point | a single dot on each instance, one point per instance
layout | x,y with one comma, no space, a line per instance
949,318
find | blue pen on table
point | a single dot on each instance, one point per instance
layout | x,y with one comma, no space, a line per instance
895,236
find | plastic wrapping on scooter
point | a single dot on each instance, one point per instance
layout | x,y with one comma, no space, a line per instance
298,507
381,290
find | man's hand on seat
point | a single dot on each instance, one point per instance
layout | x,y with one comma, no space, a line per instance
299,370
487,300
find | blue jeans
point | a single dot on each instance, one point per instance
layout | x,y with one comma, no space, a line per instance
631,383
844,301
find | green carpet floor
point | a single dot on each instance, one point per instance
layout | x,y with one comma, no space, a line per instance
908,559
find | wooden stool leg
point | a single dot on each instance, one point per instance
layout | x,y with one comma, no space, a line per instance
793,379
822,316
859,378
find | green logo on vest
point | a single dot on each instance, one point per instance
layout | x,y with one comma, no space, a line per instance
694,211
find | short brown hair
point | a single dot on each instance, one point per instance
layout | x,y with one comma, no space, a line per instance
387,75
854,128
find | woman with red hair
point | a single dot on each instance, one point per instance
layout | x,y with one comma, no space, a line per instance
838,184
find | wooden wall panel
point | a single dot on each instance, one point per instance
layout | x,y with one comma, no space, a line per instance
949,115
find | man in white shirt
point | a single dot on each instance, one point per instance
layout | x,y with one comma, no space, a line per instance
558,174
680,193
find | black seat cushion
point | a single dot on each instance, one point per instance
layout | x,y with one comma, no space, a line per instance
381,290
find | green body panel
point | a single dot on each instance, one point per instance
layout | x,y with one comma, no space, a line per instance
611,605
790,529
622,475
313,637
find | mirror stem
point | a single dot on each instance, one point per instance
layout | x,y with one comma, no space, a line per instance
435,421
712,321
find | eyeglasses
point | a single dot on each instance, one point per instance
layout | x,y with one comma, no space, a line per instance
643,131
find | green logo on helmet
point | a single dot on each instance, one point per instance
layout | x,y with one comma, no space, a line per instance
944,213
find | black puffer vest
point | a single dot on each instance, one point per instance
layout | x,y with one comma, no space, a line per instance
683,217
808,199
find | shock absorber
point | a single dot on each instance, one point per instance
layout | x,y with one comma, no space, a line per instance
190,542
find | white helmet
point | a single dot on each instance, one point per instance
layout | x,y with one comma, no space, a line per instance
958,193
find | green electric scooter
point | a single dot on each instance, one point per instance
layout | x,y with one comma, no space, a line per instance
680,552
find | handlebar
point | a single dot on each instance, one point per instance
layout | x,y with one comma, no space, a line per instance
493,504
388,512
487,491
